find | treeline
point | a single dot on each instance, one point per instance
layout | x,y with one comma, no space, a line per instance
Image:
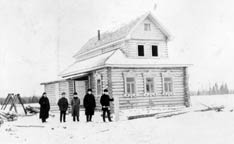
25,100
216,89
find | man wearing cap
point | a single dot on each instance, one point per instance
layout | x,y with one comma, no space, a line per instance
75,103
105,102
63,105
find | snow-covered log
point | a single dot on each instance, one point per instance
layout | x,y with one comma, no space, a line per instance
8,116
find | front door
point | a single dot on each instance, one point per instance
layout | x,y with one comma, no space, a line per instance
80,87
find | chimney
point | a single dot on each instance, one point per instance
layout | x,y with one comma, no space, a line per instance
99,36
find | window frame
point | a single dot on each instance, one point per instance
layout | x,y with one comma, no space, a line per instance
151,85
152,75
126,75
132,85
147,27
168,74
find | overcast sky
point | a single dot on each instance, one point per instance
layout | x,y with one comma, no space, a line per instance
32,31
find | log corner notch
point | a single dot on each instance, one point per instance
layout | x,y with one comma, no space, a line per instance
186,88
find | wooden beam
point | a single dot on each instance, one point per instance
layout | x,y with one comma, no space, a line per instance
186,88
116,98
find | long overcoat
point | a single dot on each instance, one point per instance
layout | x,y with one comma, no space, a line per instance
75,103
89,104
44,107
63,104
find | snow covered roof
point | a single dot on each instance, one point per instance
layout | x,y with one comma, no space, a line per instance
119,33
86,65
118,59
53,81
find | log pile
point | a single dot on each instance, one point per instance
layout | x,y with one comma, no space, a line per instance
212,108
1,121
35,110
170,114
32,110
8,116
159,114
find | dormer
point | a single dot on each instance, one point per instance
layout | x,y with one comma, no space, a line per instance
148,39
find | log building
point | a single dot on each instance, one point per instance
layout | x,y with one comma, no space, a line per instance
132,63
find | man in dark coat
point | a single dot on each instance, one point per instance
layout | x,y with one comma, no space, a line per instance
63,105
44,107
89,105
75,103
105,102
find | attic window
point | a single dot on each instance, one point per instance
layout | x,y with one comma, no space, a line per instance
147,27
140,50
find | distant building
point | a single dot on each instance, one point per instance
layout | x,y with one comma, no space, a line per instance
132,62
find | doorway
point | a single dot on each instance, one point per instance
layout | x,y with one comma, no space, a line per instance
80,88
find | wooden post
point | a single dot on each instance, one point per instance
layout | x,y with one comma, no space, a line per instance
21,102
116,98
57,93
5,101
186,88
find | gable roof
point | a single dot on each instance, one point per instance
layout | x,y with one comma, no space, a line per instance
117,58
120,33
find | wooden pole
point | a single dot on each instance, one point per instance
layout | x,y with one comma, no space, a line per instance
21,102
186,88
110,89
5,101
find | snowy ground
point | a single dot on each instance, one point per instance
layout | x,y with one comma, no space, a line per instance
191,128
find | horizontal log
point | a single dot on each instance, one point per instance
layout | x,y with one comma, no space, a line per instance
144,106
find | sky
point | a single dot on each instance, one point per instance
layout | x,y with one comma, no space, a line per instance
38,38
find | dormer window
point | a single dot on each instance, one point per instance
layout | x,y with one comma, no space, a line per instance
154,50
140,50
147,27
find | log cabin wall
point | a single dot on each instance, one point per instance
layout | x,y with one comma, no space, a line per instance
100,74
64,87
50,91
141,99
55,89
71,89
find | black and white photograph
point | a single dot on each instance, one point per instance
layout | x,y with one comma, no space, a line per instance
116,72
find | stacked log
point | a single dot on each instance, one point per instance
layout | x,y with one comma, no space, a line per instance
8,116
35,110
1,121
32,110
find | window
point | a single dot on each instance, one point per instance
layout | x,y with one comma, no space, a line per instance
149,85
140,50
154,50
168,87
147,27
99,87
130,84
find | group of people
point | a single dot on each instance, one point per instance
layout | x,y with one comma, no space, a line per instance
89,104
